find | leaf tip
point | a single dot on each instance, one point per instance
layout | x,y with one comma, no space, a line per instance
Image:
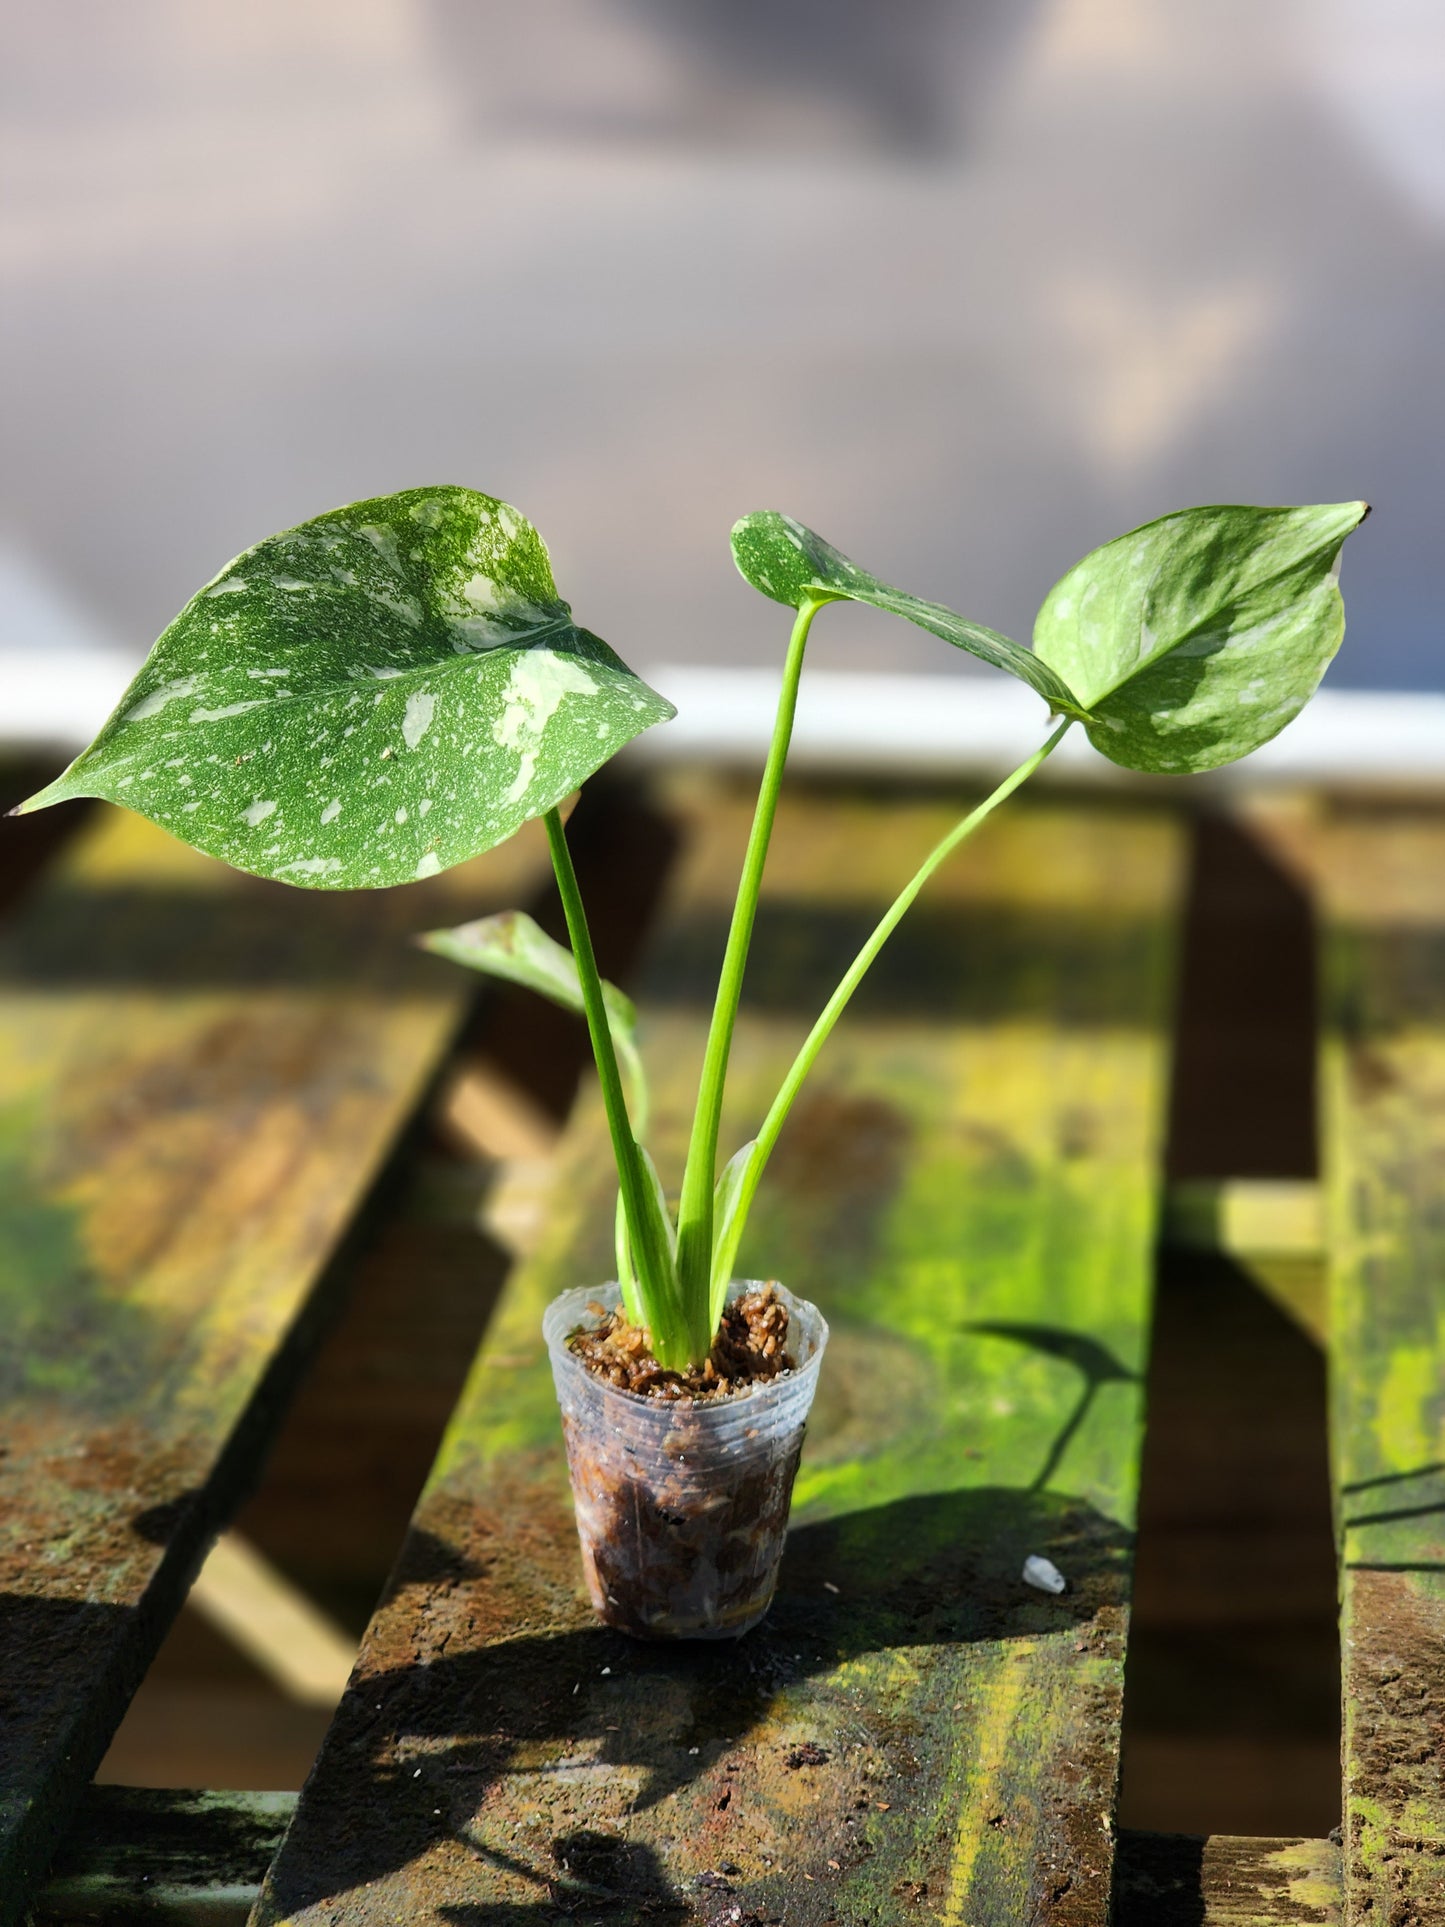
1350,513
41,800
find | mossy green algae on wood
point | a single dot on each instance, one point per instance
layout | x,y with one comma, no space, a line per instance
1378,875
198,1081
969,1192
1185,1880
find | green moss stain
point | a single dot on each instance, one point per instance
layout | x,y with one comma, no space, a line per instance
1383,1085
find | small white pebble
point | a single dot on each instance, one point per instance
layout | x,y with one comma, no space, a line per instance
417,1774
692,1749
605,1671
1043,1573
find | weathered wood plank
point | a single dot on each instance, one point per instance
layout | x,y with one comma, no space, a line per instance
1248,1218
970,1192
200,1076
1272,1227
1182,1880
198,1860
188,1859
1380,879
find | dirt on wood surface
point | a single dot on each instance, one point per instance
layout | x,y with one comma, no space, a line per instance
1395,1682
751,1345
1189,1880
503,1756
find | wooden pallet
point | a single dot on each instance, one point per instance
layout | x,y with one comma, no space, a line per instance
200,1079
971,1189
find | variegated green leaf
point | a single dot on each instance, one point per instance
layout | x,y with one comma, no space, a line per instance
1196,638
792,565
368,698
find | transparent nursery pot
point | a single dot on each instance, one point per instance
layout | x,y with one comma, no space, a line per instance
682,1505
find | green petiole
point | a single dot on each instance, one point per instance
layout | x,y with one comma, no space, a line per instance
695,1210
762,1147
646,1229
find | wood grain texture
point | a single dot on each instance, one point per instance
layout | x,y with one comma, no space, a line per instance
200,1077
150,1854
1379,877
1184,1880
969,1189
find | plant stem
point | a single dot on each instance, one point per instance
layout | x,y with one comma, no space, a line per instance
773,1123
694,1220
630,1060
652,1267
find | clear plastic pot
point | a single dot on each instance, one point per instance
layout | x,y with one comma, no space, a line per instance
682,1505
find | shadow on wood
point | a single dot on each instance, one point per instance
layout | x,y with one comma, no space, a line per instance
941,1570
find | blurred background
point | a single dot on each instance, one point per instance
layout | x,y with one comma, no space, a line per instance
968,287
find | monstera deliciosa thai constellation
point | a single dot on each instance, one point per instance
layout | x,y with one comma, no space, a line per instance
396,686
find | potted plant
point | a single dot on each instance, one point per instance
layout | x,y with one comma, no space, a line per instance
396,686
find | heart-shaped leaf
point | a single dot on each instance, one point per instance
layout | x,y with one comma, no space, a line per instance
791,564
368,698
1196,638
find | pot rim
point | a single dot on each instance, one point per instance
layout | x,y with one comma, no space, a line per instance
765,1389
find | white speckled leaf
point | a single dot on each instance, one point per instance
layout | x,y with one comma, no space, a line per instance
368,698
1196,638
789,563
